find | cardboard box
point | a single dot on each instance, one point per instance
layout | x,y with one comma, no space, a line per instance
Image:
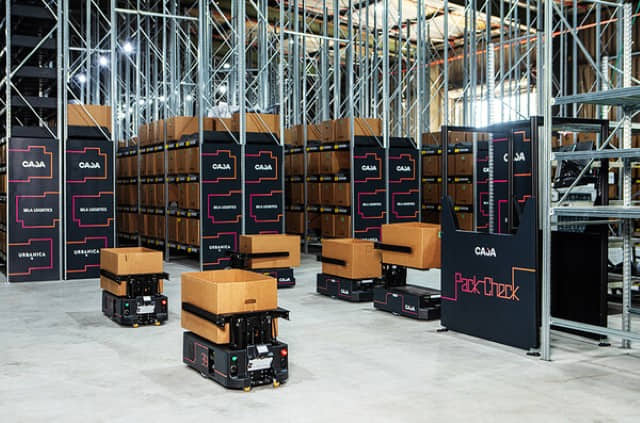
465,221
328,131
431,193
431,217
463,164
173,228
297,164
287,164
314,163
297,192
432,165
183,196
120,289
158,165
210,331
464,194
157,133
269,243
172,159
328,225
314,194
173,194
342,225
159,195
422,238
294,222
362,127
332,162
342,194
315,221
179,126
193,195
229,291
143,135
456,137
192,160
432,138
451,164
223,124
258,122
451,192
131,261
291,136
89,115
327,193
193,232
314,132
362,260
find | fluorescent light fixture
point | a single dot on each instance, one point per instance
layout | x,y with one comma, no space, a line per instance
226,66
103,61
222,89
161,99
81,78
189,97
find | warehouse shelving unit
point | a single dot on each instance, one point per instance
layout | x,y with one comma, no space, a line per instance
52,166
625,97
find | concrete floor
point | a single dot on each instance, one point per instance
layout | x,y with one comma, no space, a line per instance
62,360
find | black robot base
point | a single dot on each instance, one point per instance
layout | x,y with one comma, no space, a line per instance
412,301
135,311
354,290
237,368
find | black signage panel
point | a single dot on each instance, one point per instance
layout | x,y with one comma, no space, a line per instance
221,202
89,199
34,212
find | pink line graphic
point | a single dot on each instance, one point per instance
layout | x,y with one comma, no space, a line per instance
254,217
104,165
77,219
360,203
234,235
223,178
29,150
84,241
413,168
21,222
393,204
209,201
275,163
31,269
377,159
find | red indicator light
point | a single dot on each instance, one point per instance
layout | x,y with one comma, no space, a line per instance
164,302
284,352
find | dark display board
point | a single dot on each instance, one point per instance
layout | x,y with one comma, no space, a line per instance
34,210
221,202
522,181
489,281
264,199
404,185
89,199
369,192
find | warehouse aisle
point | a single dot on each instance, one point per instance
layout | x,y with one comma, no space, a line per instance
348,362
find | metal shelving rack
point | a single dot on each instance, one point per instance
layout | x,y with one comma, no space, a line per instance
53,54
625,97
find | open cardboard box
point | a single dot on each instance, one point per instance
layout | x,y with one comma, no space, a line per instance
362,261
422,238
271,243
131,261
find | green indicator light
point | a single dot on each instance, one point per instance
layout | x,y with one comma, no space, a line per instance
126,304
234,358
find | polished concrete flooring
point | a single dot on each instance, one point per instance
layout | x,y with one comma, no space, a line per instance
61,360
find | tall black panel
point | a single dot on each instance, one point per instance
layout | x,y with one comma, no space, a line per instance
89,202
369,192
34,212
264,199
221,202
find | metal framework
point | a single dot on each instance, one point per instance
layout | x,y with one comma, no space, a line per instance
614,88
